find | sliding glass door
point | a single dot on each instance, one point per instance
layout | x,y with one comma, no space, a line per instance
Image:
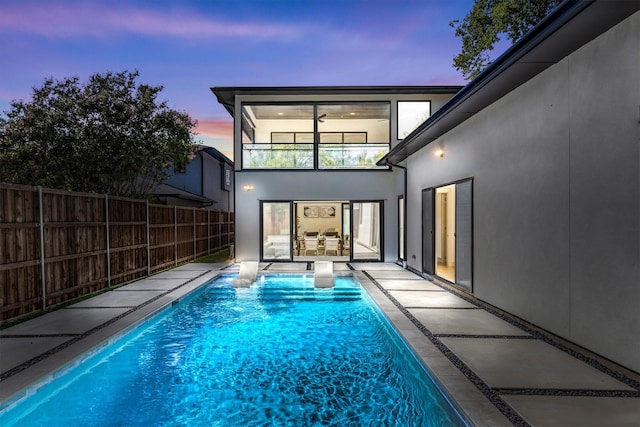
427,231
366,242
357,225
464,234
276,231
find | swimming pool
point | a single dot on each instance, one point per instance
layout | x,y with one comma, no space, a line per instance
279,353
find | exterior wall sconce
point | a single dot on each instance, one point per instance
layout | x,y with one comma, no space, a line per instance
440,152
247,187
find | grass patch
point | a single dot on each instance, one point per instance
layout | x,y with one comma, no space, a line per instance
221,256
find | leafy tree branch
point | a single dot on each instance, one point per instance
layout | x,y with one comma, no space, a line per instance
109,135
487,21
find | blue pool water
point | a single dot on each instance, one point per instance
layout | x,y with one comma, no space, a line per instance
277,354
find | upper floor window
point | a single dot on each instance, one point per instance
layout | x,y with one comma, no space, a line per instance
315,136
277,136
411,114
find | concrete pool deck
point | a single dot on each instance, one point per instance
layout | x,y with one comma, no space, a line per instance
500,370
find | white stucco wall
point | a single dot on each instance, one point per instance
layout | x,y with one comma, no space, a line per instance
556,196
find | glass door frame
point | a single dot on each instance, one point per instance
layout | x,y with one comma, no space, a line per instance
462,254
292,219
261,223
402,220
380,232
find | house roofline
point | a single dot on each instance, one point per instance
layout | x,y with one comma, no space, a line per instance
226,94
544,45
216,154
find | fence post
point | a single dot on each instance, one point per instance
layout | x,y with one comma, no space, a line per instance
194,234
220,221
148,240
175,235
42,269
108,243
208,231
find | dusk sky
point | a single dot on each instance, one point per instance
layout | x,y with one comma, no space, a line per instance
189,46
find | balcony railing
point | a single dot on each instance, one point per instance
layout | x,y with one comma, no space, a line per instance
300,156
277,156
350,156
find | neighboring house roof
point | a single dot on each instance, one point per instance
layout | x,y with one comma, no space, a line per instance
227,95
168,194
568,27
215,154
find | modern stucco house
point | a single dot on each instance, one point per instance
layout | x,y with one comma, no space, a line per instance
305,161
523,188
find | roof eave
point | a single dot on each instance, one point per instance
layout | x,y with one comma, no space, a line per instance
501,77
226,94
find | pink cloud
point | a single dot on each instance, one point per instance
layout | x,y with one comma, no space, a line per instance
216,133
77,20
216,128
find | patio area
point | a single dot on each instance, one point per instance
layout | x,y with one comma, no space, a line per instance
501,370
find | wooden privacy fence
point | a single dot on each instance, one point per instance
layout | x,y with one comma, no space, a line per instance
57,245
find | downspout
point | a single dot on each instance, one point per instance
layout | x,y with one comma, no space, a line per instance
404,211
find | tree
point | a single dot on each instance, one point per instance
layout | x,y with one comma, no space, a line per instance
110,135
480,30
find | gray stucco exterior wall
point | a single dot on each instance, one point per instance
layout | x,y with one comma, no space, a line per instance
318,185
300,186
556,189
213,176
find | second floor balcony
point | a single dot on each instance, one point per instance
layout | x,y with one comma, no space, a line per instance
301,156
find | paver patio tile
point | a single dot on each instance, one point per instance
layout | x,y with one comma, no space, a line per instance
16,351
376,266
570,411
65,321
118,298
153,285
466,322
417,284
393,274
178,273
434,299
528,364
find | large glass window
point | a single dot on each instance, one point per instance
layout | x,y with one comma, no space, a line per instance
288,136
276,230
277,136
411,114
353,136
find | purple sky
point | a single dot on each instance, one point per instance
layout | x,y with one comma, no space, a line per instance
191,45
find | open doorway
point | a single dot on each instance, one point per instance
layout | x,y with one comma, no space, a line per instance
447,233
322,230
445,244
336,230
